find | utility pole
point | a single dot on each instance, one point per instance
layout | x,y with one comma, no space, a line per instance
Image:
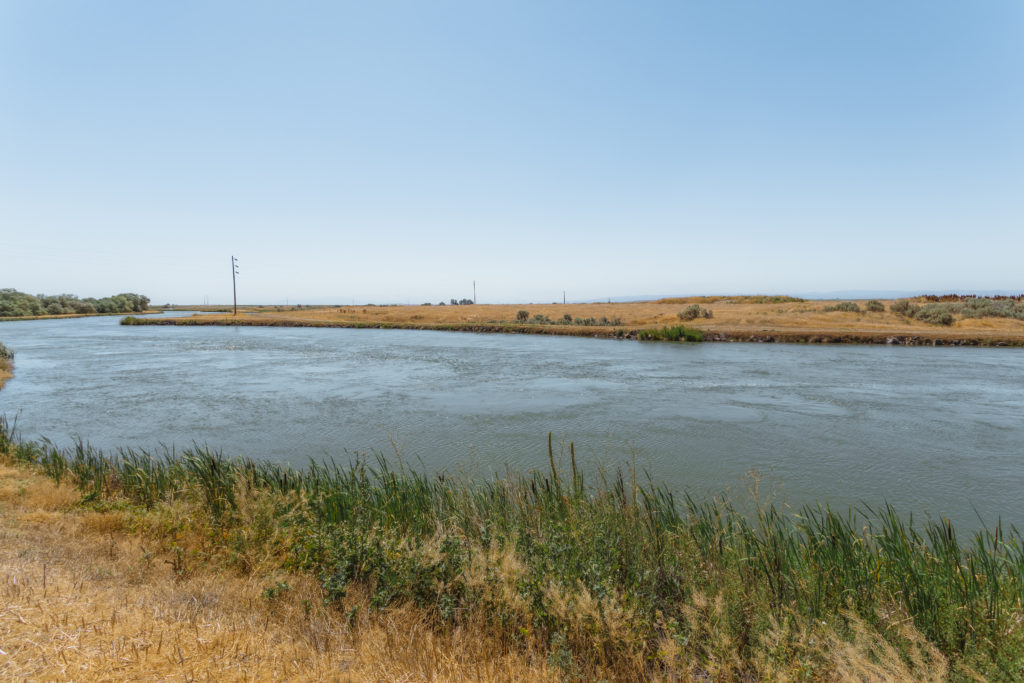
563,297
234,287
474,291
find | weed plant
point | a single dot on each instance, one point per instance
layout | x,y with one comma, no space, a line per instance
608,573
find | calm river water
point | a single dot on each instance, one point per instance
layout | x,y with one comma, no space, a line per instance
936,431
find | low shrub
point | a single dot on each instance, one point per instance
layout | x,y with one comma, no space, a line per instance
6,353
844,306
693,312
874,306
904,307
992,308
522,316
935,314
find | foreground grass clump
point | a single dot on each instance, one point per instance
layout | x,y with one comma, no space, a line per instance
613,579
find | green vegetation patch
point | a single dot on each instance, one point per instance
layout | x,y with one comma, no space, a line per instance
674,333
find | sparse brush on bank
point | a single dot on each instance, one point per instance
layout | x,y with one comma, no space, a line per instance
566,319
844,306
612,578
944,310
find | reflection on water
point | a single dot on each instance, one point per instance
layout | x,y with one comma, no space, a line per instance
935,430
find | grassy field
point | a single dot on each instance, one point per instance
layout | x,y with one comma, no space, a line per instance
732,318
364,571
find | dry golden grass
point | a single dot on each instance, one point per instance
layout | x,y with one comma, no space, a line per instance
5,371
81,599
733,316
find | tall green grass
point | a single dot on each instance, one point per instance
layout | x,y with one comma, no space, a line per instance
672,333
604,546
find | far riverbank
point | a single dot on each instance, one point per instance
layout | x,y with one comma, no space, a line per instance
728,320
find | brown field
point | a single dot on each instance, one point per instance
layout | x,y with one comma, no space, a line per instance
735,319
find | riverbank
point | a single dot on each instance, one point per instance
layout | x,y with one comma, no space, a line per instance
737,319
540,575
18,318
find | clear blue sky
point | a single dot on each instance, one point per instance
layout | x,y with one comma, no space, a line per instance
392,152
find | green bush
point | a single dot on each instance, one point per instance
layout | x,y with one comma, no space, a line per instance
935,314
522,316
6,353
992,308
874,306
904,307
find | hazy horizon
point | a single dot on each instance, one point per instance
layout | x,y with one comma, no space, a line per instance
396,152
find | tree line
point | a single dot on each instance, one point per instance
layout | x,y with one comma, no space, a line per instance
19,304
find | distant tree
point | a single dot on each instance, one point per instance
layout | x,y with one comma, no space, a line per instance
523,316
18,304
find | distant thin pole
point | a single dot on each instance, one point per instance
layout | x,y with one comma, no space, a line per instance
563,297
474,291
234,287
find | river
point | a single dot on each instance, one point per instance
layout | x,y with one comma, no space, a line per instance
936,431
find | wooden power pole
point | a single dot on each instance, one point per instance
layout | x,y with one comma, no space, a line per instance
234,287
